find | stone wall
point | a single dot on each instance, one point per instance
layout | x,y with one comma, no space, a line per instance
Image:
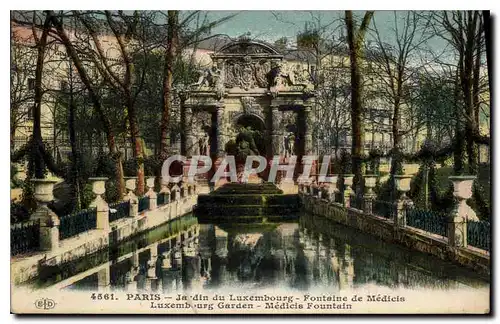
25,268
384,229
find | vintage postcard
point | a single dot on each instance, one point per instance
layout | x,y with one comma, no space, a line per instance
250,162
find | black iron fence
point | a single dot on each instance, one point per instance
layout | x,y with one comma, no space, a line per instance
427,220
162,198
77,223
119,210
479,234
24,237
143,204
383,208
356,202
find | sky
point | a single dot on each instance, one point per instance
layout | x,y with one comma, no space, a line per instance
271,25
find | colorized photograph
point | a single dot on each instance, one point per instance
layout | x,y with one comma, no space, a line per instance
250,162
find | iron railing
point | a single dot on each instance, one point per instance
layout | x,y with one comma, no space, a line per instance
383,208
162,198
339,197
427,220
120,210
356,202
143,204
478,234
24,237
77,223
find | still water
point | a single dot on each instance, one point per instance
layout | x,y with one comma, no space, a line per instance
308,255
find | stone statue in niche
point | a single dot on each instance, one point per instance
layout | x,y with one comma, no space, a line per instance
289,144
203,143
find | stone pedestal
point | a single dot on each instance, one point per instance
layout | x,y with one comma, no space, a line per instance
457,222
402,183
348,179
332,188
101,206
49,221
130,185
369,196
308,131
151,194
104,279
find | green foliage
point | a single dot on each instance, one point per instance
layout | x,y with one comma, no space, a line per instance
112,195
88,196
28,196
345,162
18,213
15,182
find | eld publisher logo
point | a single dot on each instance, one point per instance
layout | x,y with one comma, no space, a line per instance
45,303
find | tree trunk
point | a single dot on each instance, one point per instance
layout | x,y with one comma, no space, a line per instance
75,176
355,39
38,148
136,145
170,56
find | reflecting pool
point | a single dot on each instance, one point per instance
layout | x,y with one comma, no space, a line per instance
312,254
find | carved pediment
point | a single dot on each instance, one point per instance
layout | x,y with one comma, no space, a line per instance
248,47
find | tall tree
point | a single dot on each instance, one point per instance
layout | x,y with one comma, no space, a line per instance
396,68
464,30
355,39
170,57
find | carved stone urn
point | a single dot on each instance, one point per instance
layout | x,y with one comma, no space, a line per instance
348,180
462,186
402,183
98,185
130,183
370,183
44,190
462,190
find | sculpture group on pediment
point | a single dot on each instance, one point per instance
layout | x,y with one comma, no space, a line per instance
211,77
247,73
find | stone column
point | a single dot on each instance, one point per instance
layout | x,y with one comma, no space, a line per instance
130,185
188,131
348,179
151,194
369,196
308,148
332,188
275,131
49,221
457,223
402,183
219,111
101,206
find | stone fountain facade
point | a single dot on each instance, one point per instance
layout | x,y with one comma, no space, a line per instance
248,82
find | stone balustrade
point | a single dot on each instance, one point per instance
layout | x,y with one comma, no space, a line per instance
181,200
456,221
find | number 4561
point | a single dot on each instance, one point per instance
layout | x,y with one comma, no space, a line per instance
100,296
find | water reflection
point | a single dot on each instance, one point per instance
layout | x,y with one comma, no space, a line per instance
313,254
